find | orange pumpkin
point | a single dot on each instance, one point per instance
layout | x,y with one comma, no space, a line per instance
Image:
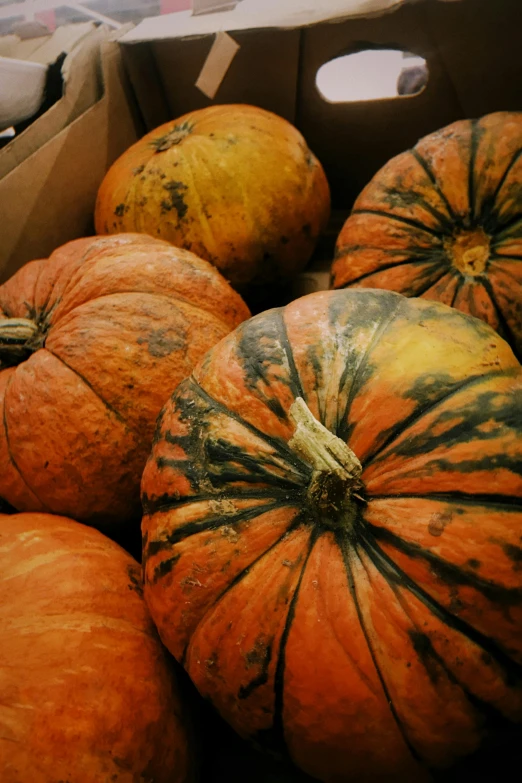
443,222
87,693
340,576
92,342
233,183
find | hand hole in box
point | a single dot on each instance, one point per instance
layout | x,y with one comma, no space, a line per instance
372,74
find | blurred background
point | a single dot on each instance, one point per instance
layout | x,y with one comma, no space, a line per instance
120,11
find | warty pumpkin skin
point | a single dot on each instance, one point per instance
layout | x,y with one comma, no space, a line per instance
443,222
87,694
93,341
235,184
350,593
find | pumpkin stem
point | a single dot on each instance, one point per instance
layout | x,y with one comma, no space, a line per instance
173,137
336,473
19,338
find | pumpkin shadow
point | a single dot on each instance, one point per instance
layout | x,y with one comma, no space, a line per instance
127,535
221,756
496,760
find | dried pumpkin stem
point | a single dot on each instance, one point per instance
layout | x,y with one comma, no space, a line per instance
19,338
335,480
173,137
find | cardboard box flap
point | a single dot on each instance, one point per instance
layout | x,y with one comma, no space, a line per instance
82,88
63,40
47,48
255,14
8,44
20,48
49,198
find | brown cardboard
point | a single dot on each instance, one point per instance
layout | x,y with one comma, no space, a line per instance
13,46
165,55
49,198
471,47
471,52
83,87
147,85
257,15
263,72
47,49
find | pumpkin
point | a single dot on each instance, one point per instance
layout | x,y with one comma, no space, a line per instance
331,532
235,184
87,692
443,221
92,342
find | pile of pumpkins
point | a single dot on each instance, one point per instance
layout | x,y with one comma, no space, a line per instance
329,493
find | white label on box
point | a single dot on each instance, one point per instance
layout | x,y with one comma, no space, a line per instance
216,65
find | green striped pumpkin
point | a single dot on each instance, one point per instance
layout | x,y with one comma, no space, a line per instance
443,221
332,534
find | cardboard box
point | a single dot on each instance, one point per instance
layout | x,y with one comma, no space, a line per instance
81,84
47,196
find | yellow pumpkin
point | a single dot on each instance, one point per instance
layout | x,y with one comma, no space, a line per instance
235,184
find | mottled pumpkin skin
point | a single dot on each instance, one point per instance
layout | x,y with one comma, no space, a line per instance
120,322
235,184
443,221
87,694
379,649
